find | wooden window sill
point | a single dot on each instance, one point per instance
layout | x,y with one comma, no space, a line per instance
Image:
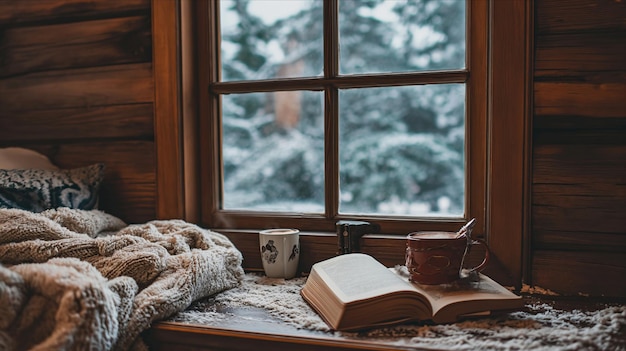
250,328
254,329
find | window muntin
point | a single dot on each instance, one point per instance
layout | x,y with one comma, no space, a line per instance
333,85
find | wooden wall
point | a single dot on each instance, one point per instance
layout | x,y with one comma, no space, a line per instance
579,147
76,83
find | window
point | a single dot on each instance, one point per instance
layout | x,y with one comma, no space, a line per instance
329,110
187,148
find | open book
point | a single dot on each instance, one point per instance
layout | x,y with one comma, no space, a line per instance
354,291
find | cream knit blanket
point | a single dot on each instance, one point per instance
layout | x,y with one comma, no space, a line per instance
84,280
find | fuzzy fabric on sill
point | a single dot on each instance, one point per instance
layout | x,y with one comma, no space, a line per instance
538,326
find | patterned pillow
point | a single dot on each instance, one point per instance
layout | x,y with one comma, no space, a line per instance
38,190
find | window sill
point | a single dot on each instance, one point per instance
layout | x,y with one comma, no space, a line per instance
252,329
243,327
316,247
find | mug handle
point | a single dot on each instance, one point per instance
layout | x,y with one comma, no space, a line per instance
482,265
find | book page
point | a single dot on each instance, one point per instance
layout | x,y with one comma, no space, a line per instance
358,276
476,295
481,289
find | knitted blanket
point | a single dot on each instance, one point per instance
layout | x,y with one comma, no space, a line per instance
84,280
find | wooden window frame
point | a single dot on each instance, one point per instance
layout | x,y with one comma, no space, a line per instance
187,190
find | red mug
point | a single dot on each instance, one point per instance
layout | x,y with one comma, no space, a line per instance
437,257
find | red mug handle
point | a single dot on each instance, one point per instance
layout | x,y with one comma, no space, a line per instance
482,265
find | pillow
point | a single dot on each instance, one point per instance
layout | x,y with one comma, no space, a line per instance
37,190
20,158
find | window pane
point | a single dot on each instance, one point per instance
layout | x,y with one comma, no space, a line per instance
267,39
401,35
402,150
273,151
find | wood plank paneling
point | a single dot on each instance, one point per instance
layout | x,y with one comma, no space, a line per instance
579,240
579,147
92,43
15,12
569,207
99,122
581,56
571,273
579,164
579,188
567,219
86,87
566,98
579,15
608,127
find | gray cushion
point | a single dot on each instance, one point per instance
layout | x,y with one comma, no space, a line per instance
38,190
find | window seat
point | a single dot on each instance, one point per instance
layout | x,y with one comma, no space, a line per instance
286,323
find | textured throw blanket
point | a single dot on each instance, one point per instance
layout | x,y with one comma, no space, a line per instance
84,280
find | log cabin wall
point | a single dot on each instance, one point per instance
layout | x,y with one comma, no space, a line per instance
76,83
578,214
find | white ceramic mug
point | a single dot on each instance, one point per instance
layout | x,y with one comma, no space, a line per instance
280,252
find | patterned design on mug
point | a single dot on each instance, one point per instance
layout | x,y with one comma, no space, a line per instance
269,252
294,252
